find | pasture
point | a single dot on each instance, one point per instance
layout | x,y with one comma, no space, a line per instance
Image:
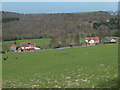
82,67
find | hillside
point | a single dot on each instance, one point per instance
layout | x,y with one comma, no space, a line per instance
17,26
82,67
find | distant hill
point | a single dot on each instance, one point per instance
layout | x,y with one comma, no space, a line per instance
17,26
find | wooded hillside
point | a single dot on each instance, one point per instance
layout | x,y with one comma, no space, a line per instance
29,26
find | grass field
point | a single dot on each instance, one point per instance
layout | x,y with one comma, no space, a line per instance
6,44
83,67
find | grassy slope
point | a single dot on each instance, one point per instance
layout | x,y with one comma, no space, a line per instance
6,44
75,67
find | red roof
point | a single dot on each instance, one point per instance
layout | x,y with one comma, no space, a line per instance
32,43
13,46
89,38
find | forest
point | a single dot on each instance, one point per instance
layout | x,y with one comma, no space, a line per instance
16,26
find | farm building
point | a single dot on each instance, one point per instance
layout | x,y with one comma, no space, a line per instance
13,48
92,40
109,40
28,46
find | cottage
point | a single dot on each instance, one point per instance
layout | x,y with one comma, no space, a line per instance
92,40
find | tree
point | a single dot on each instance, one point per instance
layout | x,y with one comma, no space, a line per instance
77,39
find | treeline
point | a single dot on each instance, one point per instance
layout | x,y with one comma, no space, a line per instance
30,26
65,40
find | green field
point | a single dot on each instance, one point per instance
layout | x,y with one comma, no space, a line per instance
82,67
6,44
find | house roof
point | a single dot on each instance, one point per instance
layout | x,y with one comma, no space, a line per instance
13,46
89,38
25,44
109,38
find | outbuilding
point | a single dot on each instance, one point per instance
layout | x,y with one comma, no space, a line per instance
109,40
13,48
